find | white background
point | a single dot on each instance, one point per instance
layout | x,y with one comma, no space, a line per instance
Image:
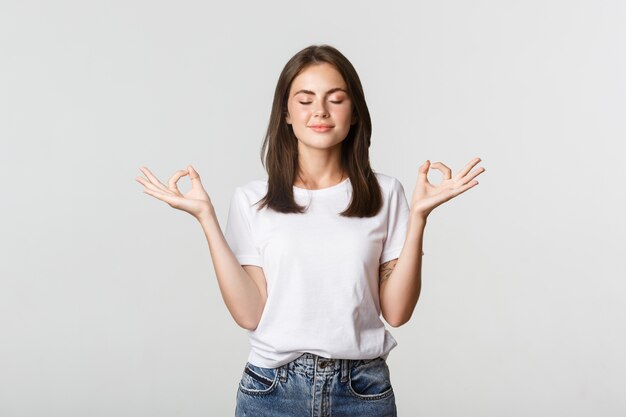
109,305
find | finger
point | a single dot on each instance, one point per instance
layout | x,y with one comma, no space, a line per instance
149,185
472,175
464,188
422,172
447,172
463,172
154,180
174,179
194,177
168,198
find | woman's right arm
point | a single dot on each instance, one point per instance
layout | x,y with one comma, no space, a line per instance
243,288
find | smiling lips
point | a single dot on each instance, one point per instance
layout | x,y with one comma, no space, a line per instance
321,128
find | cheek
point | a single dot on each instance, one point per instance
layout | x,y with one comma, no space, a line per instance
299,116
345,114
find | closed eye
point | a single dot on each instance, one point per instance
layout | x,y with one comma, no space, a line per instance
309,102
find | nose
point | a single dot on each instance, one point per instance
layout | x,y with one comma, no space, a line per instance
321,111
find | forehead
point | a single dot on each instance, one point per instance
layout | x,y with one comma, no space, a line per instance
320,77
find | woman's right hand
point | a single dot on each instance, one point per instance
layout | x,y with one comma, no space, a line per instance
196,202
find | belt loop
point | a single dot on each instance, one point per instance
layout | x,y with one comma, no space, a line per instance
282,372
345,369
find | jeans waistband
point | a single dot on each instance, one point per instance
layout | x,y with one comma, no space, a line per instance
310,363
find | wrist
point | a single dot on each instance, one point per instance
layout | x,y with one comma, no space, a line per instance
206,215
419,216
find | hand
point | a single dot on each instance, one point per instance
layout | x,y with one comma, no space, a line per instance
196,202
427,196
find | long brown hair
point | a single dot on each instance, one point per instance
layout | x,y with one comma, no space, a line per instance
279,153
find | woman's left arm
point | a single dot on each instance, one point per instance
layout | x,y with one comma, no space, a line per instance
401,278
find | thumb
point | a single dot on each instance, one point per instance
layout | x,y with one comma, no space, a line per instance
422,175
193,176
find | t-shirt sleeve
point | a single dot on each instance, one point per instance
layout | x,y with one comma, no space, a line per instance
239,231
397,222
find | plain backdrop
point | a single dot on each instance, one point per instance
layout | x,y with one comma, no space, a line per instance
109,304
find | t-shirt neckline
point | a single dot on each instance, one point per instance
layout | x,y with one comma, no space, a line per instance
322,190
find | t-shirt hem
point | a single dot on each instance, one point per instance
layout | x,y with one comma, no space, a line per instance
249,260
257,360
390,254
264,362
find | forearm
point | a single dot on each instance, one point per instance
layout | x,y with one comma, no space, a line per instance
402,288
240,293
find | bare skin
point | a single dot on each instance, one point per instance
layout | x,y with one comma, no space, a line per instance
401,278
317,97
244,288
427,196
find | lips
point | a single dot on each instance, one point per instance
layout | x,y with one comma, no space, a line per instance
321,128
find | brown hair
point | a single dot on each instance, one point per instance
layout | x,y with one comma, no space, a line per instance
280,146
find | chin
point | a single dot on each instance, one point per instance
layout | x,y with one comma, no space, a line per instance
320,144
320,140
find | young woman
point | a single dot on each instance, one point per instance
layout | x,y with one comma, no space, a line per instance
312,256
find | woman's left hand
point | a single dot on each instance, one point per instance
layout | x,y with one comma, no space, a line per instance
427,196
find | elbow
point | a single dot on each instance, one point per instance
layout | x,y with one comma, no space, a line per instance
249,321
247,324
399,317
397,321
396,317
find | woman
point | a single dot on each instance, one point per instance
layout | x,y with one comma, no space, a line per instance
312,256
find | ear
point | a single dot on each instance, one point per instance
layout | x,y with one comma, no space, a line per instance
354,119
287,118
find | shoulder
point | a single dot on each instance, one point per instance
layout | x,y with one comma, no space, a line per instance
251,192
254,186
388,183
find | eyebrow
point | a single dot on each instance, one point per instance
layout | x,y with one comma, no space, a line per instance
332,90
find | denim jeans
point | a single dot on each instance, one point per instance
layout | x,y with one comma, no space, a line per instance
314,386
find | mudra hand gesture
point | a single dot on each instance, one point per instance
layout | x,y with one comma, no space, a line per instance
427,196
196,202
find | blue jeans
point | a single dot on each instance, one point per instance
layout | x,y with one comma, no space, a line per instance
314,386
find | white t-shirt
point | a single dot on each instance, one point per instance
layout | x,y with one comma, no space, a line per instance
322,270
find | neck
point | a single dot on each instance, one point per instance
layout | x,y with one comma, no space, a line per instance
312,183
319,168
